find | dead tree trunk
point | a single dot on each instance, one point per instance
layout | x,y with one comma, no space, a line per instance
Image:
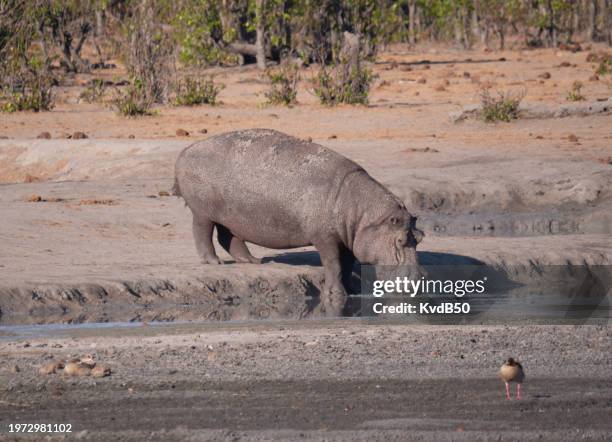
411,20
608,20
593,20
552,27
260,37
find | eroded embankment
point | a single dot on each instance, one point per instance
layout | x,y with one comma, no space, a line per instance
97,238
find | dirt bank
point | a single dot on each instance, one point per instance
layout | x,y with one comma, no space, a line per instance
118,251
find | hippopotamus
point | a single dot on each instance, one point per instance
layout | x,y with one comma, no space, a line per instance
267,188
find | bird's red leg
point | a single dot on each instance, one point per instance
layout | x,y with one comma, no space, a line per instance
507,391
518,391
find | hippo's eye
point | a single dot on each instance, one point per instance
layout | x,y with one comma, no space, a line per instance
394,221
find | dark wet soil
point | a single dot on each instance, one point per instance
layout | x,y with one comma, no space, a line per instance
303,407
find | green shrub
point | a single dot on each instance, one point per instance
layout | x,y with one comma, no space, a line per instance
343,83
94,92
504,107
34,94
605,66
133,101
283,84
193,92
575,93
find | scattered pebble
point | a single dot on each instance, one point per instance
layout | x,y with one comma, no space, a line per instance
182,133
44,136
79,136
34,199
545,75
422,80
573,138
163,193
203,131
104,202
39,199
30,178
424,149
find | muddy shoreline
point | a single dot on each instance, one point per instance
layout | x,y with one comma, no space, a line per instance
318,380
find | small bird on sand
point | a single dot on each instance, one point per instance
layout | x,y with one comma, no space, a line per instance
512,371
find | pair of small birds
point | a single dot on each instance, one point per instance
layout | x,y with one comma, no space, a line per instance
512,371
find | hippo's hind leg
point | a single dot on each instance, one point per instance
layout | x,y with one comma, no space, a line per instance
202,234
235,246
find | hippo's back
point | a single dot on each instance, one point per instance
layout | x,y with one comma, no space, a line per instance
261,176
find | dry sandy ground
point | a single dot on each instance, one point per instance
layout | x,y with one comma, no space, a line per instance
106,244
316,380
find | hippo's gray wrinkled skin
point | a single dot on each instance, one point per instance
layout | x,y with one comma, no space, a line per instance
277,191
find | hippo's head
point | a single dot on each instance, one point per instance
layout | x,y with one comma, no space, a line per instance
389,240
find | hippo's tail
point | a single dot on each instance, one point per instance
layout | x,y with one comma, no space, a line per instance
176,190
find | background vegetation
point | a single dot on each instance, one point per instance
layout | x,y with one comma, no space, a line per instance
42,41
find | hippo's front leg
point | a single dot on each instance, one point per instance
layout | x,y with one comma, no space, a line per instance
333,297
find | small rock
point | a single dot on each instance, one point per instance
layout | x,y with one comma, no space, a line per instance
182,133
565,64
131,136
466,75
79,136
573,138
333,137
422,80
594,78
544,75
15,369
44,135
203,131
309,139
101,370
163,193
34,199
